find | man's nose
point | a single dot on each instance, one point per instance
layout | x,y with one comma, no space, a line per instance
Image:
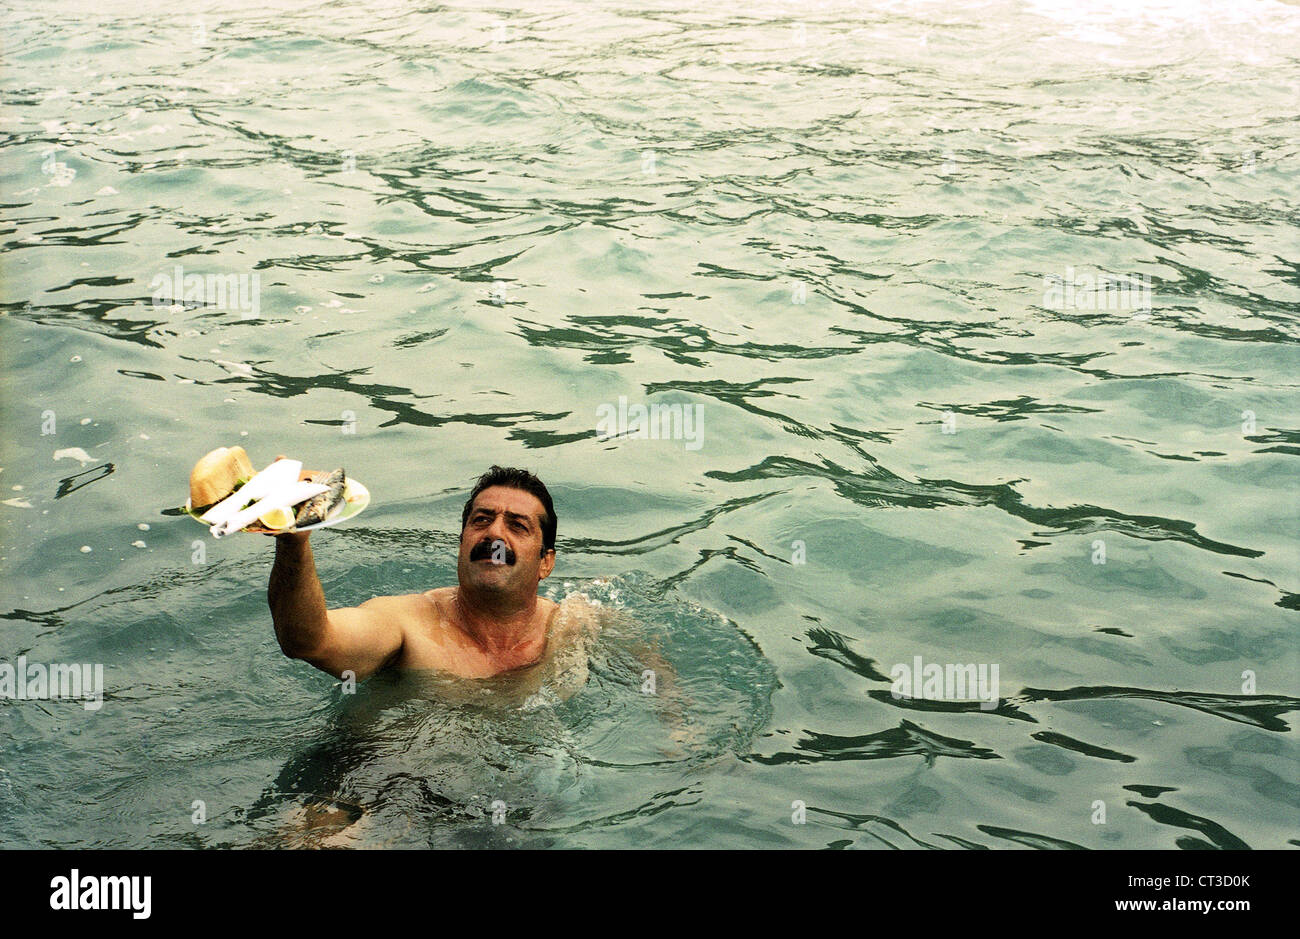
497,530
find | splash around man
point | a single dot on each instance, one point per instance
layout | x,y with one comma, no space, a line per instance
492,623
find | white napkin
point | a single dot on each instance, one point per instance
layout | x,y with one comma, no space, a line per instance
280,498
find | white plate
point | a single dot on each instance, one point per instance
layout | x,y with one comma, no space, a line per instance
355,499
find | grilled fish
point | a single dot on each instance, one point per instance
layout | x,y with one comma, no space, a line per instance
318,508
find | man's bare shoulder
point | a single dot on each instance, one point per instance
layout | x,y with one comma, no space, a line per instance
418,605
441,597
578,613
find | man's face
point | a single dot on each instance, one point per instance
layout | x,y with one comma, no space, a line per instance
501,545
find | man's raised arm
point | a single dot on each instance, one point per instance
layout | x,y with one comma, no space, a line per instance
361,639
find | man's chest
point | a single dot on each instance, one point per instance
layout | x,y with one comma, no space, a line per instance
428,649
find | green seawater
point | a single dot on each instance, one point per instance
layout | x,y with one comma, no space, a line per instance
978,321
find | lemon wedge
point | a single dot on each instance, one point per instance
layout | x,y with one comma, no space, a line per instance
277,519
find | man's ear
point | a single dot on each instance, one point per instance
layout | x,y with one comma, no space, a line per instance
548,565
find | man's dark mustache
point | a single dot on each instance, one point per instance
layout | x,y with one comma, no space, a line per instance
485,548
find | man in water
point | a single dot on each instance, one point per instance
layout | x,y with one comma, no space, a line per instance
492,623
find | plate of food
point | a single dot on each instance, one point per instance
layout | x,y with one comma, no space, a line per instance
227,495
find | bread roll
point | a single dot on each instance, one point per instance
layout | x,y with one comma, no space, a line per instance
214,476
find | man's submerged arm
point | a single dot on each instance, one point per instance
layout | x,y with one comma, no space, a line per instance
361,639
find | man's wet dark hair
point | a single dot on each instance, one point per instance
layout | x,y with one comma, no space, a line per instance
514,478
